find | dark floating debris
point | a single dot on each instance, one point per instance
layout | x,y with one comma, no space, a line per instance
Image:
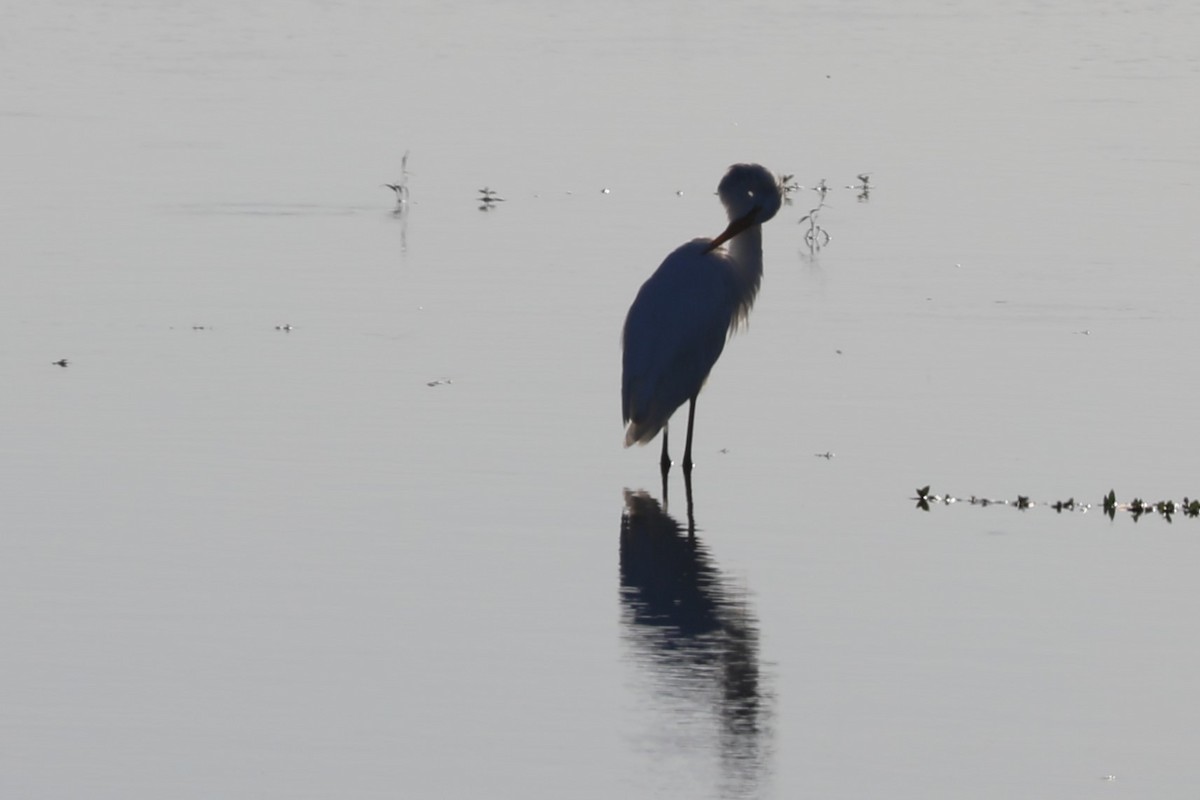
285,327
827,455
62,362
439,382
1136,508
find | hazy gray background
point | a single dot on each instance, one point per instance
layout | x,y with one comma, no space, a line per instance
242,562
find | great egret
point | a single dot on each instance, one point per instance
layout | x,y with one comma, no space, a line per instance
682,315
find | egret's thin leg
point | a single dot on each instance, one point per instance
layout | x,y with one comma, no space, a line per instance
665,461
687,448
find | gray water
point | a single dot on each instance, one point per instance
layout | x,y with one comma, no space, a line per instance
398,550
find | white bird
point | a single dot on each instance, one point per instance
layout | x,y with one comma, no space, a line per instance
681,317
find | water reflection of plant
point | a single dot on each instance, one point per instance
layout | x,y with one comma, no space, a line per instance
1109,505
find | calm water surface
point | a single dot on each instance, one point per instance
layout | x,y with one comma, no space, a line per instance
397,549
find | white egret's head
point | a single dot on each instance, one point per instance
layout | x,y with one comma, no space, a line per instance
752,195
751,190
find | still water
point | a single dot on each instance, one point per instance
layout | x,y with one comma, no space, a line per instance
329,498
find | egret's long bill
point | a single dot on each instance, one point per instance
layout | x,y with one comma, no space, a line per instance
735,227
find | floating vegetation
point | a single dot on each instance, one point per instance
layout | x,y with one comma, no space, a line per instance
439,382
62,362
788,185
1109,505
488,198
815,237
285,327
401,192
863,188
401,186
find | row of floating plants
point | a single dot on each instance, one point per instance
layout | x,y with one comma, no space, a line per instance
1109,505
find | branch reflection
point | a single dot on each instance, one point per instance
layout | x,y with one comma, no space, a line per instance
696,637
400,213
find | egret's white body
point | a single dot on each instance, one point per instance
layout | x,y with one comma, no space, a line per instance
681,317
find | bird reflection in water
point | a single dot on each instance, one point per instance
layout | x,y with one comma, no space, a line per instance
696,635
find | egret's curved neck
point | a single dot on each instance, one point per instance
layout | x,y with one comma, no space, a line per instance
746,251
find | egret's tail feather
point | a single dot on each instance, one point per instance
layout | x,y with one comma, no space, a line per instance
641,433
